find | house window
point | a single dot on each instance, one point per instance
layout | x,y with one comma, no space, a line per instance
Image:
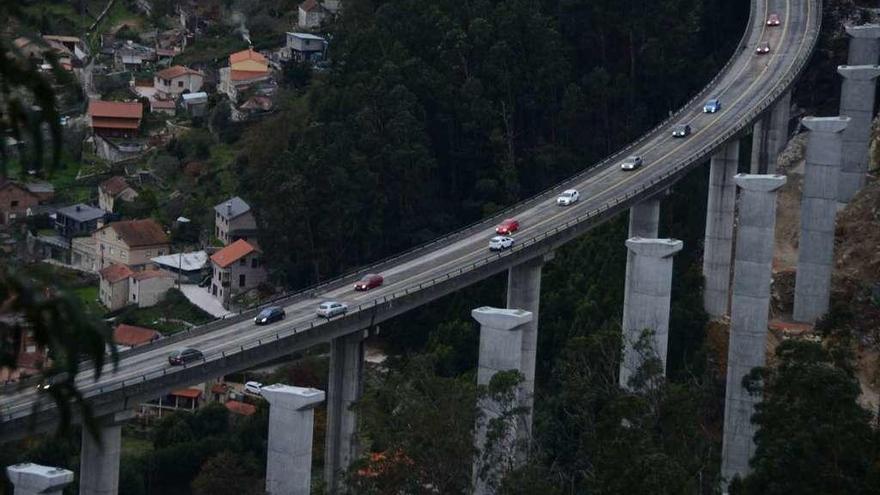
179,84
255,262
13,204
241,280
134,297
242,262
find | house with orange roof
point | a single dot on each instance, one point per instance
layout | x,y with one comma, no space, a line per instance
237,268
246,69
113,285
312,13
112,189
128,336
115,118
147,287
131,242
177,79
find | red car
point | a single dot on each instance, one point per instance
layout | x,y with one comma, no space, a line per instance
370,281
773,20
507,227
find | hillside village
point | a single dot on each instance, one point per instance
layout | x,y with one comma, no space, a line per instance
141,217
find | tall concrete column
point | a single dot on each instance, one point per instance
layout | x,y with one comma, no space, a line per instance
749,315
856,102
291,422
812,289
770,136
524,292
345,386
99,459
644,219
646,301
501,332
718,243
864,44
34,479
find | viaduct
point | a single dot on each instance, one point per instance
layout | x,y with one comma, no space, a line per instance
755,92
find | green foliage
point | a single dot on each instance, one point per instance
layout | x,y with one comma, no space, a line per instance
228,474
174,306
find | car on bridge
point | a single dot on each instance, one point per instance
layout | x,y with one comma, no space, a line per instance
773,20
712,105
369,281
52,380
631,163
269,315
681,130
184,355
763,48
568,197
500,243
507,227
329,309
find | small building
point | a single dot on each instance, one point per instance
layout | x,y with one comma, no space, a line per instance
44,191
71,44
246,68
196,104
31,358
82,254
254,107
240,408
113,286
29,48
167,107
78,220
15,200
113,189
188,399
128,336
305,47
146,288
237,268
311,13
177,79
115,118
131,242
188,265
133,56
234,220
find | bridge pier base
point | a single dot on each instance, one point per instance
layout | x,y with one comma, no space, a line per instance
344,389
749,315
291,424
718,242
812,289
501,333
857,93
770,135
646,303
35,479
864,44
99,459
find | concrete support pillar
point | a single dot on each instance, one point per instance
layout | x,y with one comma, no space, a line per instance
646,302
864,44
501,332
770,136
291,423
524,292
99,459
749,315
718,243
33,479
644,219
812,289
856,102
345,386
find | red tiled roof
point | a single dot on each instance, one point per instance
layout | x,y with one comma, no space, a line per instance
115,272
131,335
219,388
162,104
176,71
148,274
248,54
310,5
244,75
239,407
114,185
232,253
192,393
139,233
114,123
116,109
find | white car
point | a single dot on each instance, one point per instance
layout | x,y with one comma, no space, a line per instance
631,163
500,243
253,387
568,197
329,309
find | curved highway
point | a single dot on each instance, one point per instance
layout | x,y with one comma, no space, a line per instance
747,86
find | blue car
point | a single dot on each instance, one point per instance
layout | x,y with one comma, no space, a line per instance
712,106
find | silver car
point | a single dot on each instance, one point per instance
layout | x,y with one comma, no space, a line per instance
631,163
568,197
329,309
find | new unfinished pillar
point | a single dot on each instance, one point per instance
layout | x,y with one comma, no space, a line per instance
856,102
344,389
500,350
34,479
646,302
770,136
748,315
812,289
99,458
718,243
291,423
864,44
